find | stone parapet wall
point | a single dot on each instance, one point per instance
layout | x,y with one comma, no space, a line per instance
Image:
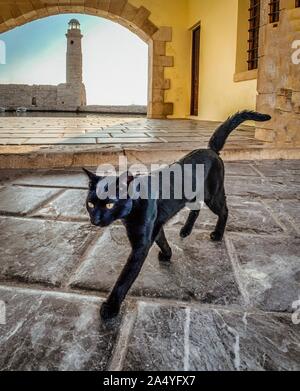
126,109
71,95
13,96
42,97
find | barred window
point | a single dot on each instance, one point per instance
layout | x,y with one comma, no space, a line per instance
254,22
297,3
274,11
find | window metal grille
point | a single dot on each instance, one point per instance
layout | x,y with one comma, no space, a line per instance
253,41
274,11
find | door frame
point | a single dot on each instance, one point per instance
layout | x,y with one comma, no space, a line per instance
195,69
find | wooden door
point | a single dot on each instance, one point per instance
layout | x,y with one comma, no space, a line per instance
195,71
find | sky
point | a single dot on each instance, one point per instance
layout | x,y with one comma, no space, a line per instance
115,61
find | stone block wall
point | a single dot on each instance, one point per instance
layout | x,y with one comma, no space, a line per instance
13,96
70,96
64,97
279,76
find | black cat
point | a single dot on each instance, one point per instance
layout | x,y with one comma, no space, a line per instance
144,219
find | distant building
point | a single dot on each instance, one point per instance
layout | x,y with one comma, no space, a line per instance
69,96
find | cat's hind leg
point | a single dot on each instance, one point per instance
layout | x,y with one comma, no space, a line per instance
165,253
187,229
219,207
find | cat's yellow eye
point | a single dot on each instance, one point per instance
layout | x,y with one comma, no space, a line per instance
109,206
91,205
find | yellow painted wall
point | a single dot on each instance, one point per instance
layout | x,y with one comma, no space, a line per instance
219,95
174,13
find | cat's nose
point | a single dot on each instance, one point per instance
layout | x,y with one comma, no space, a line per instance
96,222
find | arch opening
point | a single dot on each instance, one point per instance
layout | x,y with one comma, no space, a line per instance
136,20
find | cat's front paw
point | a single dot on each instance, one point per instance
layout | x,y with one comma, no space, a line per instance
216,236
109,311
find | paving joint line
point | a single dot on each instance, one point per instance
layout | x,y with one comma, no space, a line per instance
274,215
277,218
45,202
82,258
121,346
257,170
38,287
47,186
233,257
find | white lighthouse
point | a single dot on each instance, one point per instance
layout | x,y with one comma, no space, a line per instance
74,87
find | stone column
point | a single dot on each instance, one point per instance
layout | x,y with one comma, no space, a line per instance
158,84
279,75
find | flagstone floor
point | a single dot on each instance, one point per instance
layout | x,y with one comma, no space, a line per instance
101,129
218,306
60,140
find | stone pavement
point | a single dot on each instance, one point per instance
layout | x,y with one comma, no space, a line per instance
99,129
69,140
217,306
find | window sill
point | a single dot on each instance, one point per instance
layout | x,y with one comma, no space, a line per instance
243,76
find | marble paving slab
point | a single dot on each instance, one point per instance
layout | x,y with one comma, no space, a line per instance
261,187
269,270
288,212
23,200
54,332
200,269
246,215
40,250
240,168
69,205
278,168
54,179
211,339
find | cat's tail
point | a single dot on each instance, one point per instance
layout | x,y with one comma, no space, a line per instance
220,136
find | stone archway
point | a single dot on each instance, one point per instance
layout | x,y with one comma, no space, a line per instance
137,20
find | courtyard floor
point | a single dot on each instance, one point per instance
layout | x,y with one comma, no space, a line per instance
217,306
101,129
43,140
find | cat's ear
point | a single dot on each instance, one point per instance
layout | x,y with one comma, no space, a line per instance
90,174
